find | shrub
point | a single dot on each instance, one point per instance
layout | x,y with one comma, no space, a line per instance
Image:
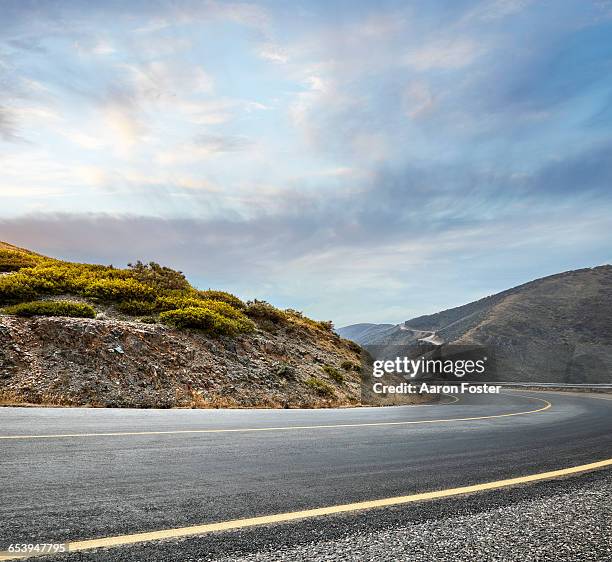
261,310
285,370
228,311
13,260
326,325
223,297
176,302
52,308
224,309
294,313
135,308
298,318
350,366
204,319
320,386
334,373
119,290
159,276
15,288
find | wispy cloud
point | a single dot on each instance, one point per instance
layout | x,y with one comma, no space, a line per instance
8,131
452,53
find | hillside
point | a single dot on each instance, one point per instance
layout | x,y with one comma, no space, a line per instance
84,334
554,329
363,333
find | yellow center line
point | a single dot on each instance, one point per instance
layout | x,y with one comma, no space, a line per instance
283,428
122,540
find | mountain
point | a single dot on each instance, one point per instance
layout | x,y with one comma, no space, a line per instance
79,334
363,333
553,329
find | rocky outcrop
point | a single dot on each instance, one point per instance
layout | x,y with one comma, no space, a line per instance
112,363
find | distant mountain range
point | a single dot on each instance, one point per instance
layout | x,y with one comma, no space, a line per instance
554,329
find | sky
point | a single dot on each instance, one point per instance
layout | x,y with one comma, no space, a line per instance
362,161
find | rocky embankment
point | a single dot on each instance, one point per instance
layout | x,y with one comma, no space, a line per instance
114,363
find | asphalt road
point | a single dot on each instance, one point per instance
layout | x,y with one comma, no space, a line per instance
87,485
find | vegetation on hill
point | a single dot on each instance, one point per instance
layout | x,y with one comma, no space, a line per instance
150,291
52,308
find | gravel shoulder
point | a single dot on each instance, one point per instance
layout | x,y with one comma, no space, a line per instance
573,523
563,520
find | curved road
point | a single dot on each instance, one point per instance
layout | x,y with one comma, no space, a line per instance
74,474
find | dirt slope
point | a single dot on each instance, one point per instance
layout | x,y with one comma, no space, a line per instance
70,361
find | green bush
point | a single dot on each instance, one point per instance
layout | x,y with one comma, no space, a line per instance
110,290
320,386
164,304
176,302
13,260
261,310
52,308
158,276
207,320
57,278
135,308
224,309
223,297
334,373
16,287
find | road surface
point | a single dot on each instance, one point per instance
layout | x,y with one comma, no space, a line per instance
75,474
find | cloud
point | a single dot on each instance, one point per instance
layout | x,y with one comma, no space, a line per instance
224,143
272,52
29,45
8,130
203,147
89,142
394,206
98,47
403,231
160,80
586,172
122,115
446,54
490,10
418,99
